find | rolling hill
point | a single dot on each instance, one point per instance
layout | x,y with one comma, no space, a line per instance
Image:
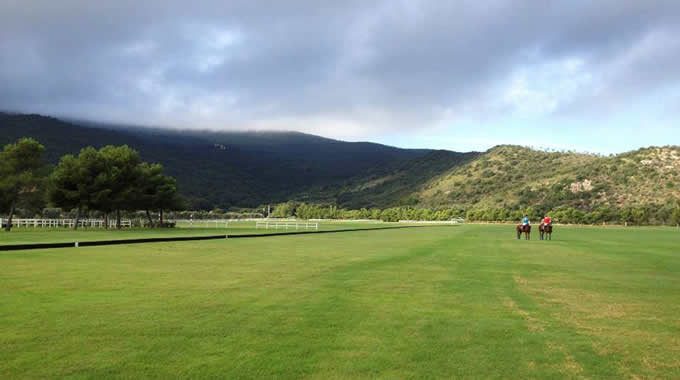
514,177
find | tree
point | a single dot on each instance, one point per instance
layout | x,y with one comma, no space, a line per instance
64,178
116,185
75,181
21,174
640,215
149,179
166,196
284,210
156,191
594,217
626,215
676,216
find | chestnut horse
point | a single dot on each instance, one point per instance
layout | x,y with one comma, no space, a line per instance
524,228
546,231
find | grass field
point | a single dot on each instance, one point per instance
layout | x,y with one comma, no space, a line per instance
57,235
441,302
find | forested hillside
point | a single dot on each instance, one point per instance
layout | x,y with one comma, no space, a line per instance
247,169
507,182
222,169
399,187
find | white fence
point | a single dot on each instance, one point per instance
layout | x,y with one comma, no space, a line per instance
348,220
219,223
63,223
205,223
452,221
286,225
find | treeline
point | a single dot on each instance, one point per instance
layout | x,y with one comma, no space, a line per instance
393,214
109,180
216,213
668,213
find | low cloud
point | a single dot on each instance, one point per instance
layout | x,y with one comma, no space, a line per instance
342,69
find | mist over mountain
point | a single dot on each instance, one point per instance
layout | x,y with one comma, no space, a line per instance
249,169
222,169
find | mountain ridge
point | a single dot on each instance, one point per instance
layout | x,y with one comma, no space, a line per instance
250,168
217,169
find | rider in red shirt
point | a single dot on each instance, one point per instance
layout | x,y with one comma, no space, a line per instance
547,221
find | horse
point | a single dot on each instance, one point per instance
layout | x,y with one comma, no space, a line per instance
547,230
524,228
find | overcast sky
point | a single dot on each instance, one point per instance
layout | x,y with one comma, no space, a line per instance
601,76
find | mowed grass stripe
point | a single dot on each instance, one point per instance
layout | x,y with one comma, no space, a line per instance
617,290
464,302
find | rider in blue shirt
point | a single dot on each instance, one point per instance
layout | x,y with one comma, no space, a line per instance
525,221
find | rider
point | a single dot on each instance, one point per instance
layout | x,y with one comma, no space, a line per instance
525,220
547,220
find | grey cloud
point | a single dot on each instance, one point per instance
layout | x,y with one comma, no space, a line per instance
364,66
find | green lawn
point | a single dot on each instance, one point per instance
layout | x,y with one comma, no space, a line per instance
21,235
441,302
249,227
